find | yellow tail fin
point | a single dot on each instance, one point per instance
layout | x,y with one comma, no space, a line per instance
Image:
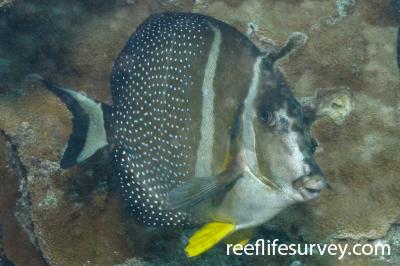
207,237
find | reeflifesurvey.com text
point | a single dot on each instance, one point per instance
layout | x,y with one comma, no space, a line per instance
264,247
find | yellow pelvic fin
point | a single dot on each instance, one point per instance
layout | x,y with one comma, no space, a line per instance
207,237
240,237
243,242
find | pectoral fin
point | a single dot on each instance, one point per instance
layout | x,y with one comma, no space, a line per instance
207,237
192,192
195,190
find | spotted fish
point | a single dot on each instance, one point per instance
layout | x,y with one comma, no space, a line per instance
203,129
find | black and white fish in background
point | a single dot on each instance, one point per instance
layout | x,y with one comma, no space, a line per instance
203,130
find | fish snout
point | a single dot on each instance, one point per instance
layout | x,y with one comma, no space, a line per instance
310,186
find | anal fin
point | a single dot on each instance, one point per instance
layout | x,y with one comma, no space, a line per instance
207,237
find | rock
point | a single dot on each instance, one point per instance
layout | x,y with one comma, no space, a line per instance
335,103
15,245
344,8
392,238
88,227
67,231
77,216
5,3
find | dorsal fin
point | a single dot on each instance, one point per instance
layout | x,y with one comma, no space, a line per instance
295,41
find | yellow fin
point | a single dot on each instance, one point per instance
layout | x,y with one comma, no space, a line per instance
240,237
207,237
243,242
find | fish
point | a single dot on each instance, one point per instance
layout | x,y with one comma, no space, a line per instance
203,130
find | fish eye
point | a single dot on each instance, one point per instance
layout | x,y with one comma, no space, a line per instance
267,118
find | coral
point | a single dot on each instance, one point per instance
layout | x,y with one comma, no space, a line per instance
379,13
15,245
5,3
393,239
346,70
54,214
335,103
134,262
343,8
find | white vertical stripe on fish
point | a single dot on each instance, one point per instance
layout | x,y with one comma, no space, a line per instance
205,148
96,126
248,135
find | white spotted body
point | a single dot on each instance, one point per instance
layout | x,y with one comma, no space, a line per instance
169,122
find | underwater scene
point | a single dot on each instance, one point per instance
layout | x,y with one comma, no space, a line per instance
199,132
